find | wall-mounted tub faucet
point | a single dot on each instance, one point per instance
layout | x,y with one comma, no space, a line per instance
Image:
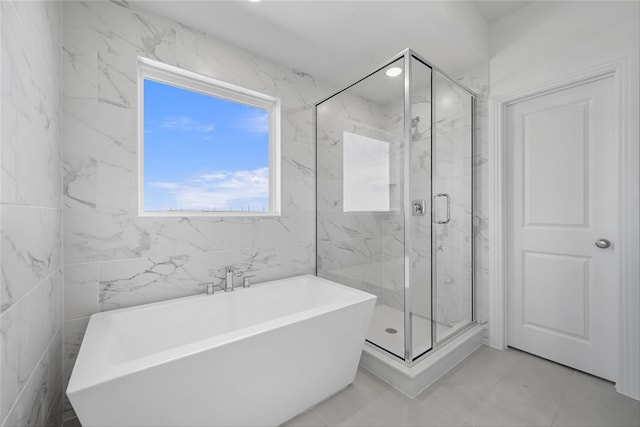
228,281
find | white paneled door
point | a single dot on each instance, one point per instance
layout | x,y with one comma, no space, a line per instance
562,226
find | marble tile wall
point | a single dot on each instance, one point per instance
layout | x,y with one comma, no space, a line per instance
113,258
31,217
393,230
354,248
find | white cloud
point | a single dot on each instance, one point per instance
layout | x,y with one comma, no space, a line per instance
187,124
165,185
211,177
219,190
257,122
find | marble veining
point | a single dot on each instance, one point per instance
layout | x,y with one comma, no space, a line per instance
140,281
80,182
356,248
9,358
30,227
30,171
72,339
31,249
34,392
93,235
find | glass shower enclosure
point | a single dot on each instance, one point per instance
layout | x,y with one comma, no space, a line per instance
394,203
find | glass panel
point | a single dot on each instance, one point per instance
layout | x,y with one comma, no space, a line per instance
452,208
420,225
360,217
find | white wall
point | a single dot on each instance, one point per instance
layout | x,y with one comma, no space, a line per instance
30,199
545,41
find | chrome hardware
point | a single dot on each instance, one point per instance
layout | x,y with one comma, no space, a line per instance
419,207
603,243
434,208
210,288
246,282
228,282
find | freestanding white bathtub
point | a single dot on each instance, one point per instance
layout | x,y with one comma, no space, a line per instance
256,356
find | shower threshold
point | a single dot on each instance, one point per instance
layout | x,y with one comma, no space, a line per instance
413,380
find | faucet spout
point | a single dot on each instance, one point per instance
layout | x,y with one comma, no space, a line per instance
228,282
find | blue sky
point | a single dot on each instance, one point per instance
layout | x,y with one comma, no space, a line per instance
202,152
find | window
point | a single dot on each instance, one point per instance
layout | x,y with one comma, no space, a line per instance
206,147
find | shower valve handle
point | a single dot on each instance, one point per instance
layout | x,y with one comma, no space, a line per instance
419,207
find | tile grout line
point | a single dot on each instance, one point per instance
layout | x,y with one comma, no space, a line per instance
44,354
486,396
73,319
18,205
33,289
564,396
318,415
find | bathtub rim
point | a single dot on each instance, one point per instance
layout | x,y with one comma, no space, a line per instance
94,368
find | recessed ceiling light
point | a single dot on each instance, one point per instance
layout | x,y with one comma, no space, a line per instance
255,1
394,71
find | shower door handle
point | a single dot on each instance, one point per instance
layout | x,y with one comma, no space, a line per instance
435,208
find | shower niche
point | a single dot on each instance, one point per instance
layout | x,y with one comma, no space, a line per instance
395,203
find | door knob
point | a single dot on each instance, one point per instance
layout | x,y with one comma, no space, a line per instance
603,243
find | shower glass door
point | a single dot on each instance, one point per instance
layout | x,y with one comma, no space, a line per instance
452,186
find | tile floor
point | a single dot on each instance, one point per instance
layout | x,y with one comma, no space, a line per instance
490,388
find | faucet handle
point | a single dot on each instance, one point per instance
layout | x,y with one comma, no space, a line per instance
246,282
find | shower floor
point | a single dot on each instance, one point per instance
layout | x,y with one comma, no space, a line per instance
386,318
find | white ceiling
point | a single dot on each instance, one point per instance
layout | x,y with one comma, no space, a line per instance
338,42
494,10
